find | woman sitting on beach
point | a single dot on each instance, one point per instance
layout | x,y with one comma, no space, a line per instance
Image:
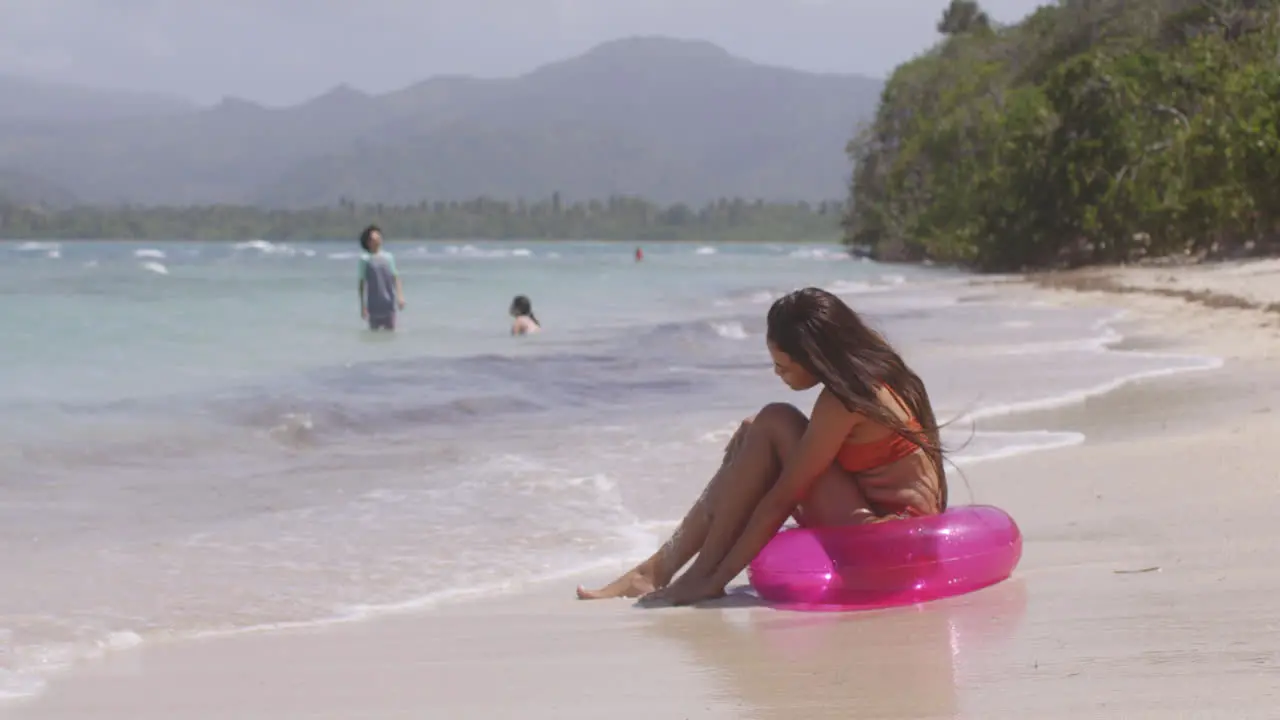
870,453
525,321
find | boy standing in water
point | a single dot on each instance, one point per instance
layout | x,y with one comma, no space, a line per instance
380,292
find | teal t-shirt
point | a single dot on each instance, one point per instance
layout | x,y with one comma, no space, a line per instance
378,270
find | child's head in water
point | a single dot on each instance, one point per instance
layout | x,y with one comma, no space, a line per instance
520,306
525,321
371,239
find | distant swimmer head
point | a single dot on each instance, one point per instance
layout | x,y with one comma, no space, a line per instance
814,337
371,239
521,307
525,321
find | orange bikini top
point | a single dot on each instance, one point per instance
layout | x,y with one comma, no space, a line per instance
860,457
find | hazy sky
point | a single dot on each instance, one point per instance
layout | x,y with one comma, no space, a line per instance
284,51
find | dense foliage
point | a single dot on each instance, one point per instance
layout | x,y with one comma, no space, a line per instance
1093,131
618,218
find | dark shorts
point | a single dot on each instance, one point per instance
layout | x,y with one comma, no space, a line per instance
382,322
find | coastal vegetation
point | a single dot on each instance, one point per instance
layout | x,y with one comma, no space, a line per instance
614,218
1094,131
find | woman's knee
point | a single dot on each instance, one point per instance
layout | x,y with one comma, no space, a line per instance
781,416
775,420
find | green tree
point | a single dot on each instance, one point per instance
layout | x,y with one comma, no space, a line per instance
963,16
1093,131
617,218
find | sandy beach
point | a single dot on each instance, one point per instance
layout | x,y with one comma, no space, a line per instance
1146,590
1172,301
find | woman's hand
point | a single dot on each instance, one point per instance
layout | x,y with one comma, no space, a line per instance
684,591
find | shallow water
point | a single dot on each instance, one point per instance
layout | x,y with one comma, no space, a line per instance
201,438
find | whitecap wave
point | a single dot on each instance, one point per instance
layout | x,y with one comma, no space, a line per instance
38,246
825,254
731,330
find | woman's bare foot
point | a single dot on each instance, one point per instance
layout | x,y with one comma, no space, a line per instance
633,584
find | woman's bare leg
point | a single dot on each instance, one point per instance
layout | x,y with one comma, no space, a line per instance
753,472
752,463
656,571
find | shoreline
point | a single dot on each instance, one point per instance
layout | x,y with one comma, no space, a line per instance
1218,284
562,651
1228,308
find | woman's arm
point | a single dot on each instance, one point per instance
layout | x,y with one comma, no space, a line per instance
828,429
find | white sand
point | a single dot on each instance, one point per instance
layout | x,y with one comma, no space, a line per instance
1154,303
1192,488
1257,281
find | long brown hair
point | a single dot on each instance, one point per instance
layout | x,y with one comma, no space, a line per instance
828,339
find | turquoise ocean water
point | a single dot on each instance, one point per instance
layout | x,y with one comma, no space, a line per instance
200,438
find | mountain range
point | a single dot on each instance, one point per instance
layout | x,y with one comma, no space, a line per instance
669,120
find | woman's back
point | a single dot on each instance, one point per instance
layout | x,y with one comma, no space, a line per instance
524,325
894,474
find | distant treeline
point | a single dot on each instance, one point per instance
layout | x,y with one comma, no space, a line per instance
616,218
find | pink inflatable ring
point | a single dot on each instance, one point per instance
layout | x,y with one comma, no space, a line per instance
901,562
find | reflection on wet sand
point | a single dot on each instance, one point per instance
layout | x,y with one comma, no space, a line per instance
901,663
